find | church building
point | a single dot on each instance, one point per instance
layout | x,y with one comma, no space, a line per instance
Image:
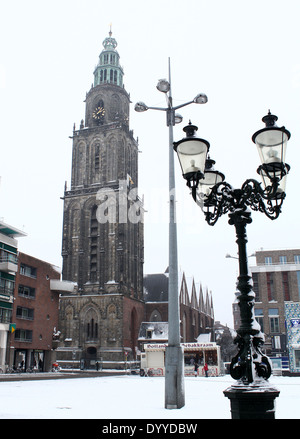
102,243
105,301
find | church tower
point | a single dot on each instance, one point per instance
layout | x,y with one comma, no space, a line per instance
102,244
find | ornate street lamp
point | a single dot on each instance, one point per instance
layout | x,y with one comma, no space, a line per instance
252,396
174,367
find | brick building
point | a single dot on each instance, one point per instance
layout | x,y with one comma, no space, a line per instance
35,314
276,280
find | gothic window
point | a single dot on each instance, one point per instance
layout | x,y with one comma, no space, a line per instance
79,164
155,316
92,330
97,159
115,107
112,160
69,322
91,325
93,244
111,314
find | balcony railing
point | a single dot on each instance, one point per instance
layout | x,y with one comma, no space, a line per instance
8,262
9,257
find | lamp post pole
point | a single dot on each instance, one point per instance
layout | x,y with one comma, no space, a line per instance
174,359
252,396
174,365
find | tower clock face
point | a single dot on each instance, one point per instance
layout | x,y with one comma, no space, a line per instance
98,114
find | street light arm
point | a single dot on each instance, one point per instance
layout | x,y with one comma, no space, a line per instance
183,105
158,108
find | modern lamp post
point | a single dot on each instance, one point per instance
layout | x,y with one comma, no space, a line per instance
251,396
174,368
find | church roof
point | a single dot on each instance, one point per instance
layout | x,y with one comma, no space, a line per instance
156,287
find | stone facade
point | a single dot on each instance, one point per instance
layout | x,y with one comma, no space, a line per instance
102,245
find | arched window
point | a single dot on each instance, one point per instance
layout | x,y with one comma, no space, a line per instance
115,107
69,322
93,244
92,330
97,158
155,316
91,325
112,326
112,170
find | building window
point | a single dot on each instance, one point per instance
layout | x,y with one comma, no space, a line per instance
259,317
155,316
270,286
28,292
268,260
255,286
26,270
5,315
92,330
25,313
6,286
297,259
149,333
274,320
94,244
282,260
276,342
6,256
298,281
97,161
285,285
23,335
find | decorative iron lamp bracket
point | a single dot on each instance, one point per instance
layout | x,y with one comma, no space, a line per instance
216,197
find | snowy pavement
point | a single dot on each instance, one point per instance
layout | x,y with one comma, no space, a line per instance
130,397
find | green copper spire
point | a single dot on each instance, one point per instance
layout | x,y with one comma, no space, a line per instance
108,70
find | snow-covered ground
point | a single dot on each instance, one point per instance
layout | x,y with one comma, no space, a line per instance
130,397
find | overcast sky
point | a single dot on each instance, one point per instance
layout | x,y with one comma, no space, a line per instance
243,55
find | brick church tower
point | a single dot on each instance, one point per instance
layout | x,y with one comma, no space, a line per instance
102,244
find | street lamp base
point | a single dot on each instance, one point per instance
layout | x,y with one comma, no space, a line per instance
174,378
256,401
